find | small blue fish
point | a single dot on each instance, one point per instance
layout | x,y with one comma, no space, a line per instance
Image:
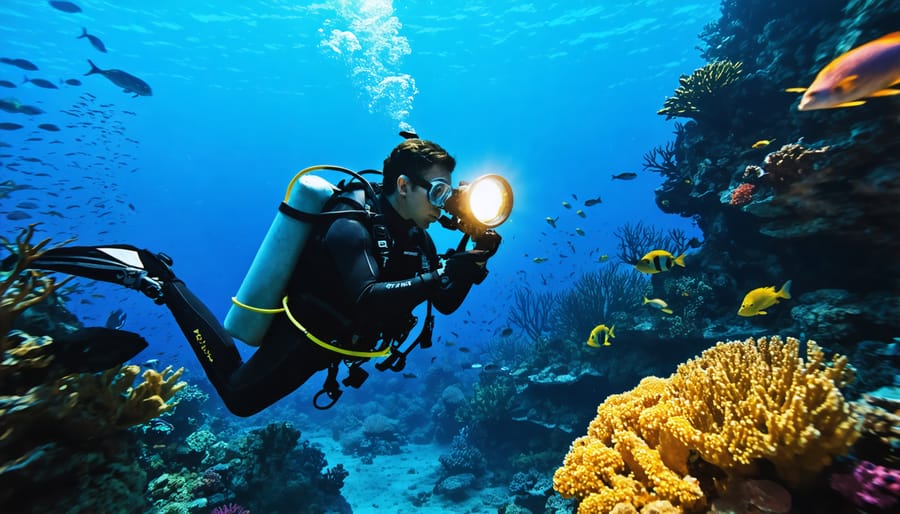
68,7
128,82
19,63
116,319
46,84
18,215
95,41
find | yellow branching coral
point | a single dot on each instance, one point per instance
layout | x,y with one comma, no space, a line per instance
736,403
86,405
21,288
617,462
699,94
48,414
760,400
149,399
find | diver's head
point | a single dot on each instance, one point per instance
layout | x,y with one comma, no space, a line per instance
417,180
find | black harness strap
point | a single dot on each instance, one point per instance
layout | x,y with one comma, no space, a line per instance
331,388
365,210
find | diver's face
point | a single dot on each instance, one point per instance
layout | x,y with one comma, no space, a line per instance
413,198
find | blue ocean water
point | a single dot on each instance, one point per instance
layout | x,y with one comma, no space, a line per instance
556,97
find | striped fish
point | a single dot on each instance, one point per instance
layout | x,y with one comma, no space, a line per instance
657,261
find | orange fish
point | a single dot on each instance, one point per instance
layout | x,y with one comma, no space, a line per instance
866,71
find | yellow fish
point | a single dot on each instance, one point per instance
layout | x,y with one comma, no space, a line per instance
866,71
762,298
538,260
579,231
551,221
658,303
566,205
603,258
593,339
581,213
658,260
762,143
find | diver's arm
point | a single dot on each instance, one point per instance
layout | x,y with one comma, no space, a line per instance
450,295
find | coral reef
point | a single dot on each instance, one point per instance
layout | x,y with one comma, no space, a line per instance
597,297
869,486
661,159
749,495
22,288
532,312
443,413
790,164
460,467
530,490
678,439
636,239
880,430
828,197
491,402
376,435
742,194
265,470
231,508
703,93
63,434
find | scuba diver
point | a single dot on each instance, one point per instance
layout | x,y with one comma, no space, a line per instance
334,283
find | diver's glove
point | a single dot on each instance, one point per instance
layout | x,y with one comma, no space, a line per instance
469,267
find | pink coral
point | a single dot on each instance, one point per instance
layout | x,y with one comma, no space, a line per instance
231,508
869,486
742,194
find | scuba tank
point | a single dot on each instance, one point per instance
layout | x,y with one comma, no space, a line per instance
261,292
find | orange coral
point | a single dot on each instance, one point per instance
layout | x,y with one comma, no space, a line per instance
736,403
742,194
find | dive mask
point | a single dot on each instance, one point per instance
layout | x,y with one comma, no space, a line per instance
438,189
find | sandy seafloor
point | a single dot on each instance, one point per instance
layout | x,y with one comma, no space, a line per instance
391,482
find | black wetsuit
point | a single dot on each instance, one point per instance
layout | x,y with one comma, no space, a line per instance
338,291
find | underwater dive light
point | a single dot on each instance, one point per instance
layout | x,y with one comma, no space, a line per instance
481,205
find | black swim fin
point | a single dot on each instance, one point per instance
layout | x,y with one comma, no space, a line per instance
94,349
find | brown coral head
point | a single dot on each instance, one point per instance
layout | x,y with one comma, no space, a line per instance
766,496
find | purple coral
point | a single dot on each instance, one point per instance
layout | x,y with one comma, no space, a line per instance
230,508
869,486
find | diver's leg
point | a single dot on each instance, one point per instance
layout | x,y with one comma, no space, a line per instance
150,273
210,341
125,265
284,361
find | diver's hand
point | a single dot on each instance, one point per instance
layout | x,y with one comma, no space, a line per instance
467,266
489,241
